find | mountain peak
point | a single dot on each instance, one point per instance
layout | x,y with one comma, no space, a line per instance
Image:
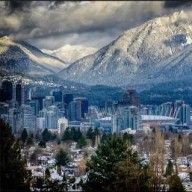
138,53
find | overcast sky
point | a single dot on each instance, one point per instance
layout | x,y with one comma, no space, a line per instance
50,25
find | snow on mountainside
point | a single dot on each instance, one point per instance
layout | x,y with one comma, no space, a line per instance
157,51
71,53
21,57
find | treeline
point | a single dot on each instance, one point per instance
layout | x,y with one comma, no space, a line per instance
115,166
91,137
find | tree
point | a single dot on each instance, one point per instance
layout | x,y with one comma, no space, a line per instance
47,173
77,135
46,135
42,144
62,157
91,135
176,148
175,184
156,159
97,136
14,176
67,135
105,167
30,140
169,168
24,135
82,142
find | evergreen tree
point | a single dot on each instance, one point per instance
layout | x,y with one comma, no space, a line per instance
47,173
42,144
175,184
105,167
62,158
24,135
30,140
169,168
67,135
82,142
91,135
77,135
14,176
46,135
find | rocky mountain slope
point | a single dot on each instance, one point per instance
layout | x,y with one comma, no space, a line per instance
158,51
70,53
21,57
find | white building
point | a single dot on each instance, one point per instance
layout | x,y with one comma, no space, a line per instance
40,122
62,125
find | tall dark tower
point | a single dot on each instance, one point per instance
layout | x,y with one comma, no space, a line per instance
18,94
7,90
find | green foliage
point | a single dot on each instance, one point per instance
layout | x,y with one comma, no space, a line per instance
169,168
24,135
14,176
30,140
67,135
128,138
42,144
47,135
175,184
44,185
91,135
62,158
72,134
82,142
114,167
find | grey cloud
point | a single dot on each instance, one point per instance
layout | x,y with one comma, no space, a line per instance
57,22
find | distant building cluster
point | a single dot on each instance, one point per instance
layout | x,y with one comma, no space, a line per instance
24,106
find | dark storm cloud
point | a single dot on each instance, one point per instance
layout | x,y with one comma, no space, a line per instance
50,23
176,4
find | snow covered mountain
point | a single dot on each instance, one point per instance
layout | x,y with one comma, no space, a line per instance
21,57
71,53
159,50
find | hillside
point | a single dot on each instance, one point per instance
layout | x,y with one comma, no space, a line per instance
157,51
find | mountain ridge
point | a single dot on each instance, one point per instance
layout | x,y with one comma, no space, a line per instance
137,54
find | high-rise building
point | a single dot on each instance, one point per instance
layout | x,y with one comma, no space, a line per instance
74,111
40,101
62,125
57,94
48,101
126,117
51,120
40,123
84,105
183,114
35,106
67,98
7,91
28,118
14,119
19,93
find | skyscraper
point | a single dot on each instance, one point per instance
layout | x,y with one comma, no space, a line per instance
48,101
67,98
74,111
7,91
19,93
57,94
84,105
28,118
